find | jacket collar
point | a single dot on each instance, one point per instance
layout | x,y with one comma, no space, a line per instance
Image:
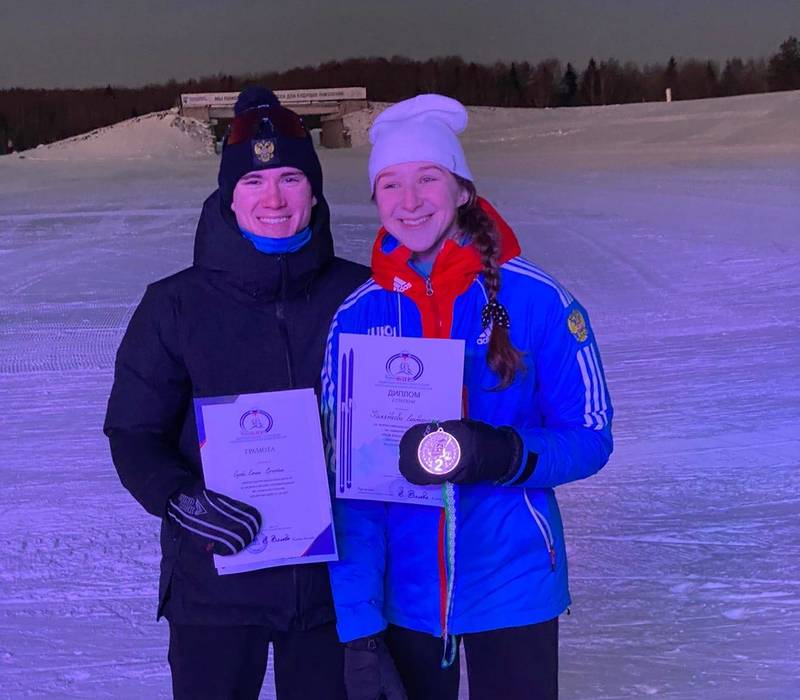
220,246
454,269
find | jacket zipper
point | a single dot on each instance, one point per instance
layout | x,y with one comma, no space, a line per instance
434,307
446,601
544,528
280,312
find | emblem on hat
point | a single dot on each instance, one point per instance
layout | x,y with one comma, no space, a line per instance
263,150
577,326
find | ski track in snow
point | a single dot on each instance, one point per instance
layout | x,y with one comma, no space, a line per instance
684,551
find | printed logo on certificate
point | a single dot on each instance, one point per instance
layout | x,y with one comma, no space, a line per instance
386,385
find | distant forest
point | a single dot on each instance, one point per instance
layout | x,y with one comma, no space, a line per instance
29,117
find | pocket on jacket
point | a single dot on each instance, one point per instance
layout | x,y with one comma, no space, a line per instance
543,526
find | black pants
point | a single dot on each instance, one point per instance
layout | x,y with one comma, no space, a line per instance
516,663
228,663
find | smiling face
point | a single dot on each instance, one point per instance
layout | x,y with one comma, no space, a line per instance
417,204
274,203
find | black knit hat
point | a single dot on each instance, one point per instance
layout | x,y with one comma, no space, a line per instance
268,147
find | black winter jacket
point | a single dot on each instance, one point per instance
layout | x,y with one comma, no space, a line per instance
237,321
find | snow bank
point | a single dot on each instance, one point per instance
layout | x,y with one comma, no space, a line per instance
148,136
769,121
749,120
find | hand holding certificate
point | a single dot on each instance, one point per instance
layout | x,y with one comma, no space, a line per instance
266,450
386,385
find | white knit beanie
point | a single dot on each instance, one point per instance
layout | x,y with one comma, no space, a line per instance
424,128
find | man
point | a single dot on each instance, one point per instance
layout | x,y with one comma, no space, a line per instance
250,315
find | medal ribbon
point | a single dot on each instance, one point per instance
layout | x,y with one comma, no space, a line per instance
447,568
450,641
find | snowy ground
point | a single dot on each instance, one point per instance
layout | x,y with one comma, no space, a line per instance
678,226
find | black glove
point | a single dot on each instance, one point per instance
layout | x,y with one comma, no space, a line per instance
487,453
369,672
218,523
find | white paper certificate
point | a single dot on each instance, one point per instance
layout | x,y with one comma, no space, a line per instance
266,450
385,386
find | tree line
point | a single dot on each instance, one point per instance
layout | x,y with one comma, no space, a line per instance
29,117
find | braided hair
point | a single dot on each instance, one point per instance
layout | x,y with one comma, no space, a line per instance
503,358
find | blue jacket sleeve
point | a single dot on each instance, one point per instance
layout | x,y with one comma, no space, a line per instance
575,439
357,578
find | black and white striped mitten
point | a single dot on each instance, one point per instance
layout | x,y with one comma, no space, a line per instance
221,524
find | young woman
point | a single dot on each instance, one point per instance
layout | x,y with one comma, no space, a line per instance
490,568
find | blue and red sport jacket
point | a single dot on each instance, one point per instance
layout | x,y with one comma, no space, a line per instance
510,561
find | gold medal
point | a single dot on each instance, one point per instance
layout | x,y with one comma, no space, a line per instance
438,452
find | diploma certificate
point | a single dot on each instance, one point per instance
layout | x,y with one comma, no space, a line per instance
386,385
266,450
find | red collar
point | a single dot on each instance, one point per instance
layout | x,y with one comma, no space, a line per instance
454,270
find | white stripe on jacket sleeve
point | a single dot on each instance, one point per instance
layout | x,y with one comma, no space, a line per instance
595,392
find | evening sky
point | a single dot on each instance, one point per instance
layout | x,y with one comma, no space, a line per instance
78,43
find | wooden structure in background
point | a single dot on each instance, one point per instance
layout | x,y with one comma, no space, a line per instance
330,104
